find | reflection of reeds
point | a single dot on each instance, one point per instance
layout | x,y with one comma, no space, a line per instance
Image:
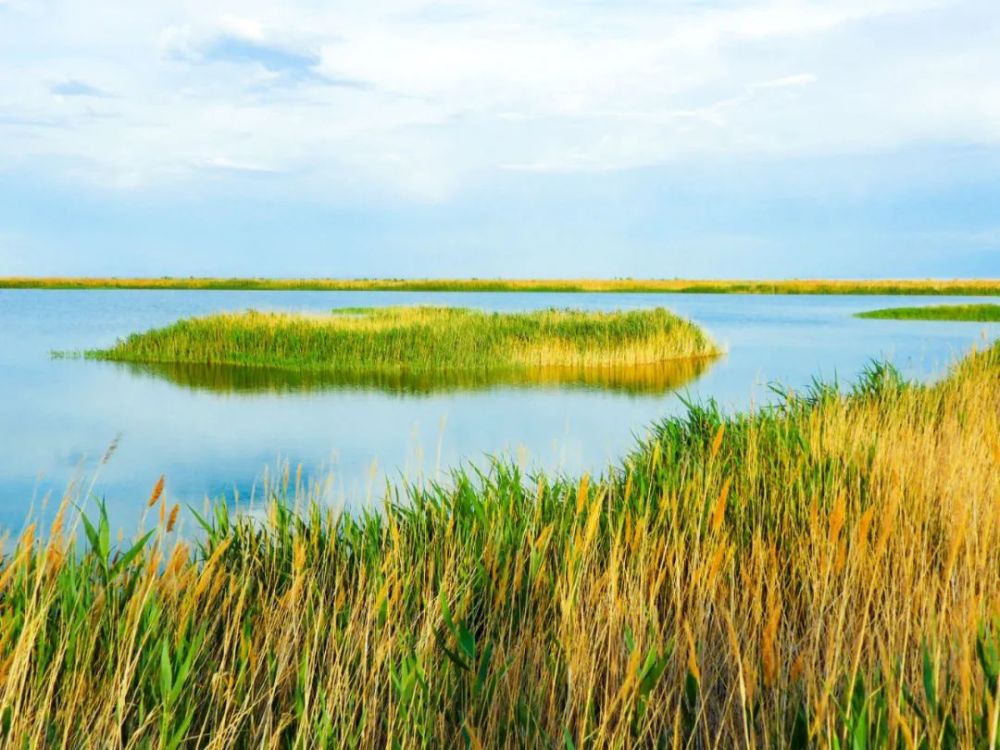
825,574
704,286
636,380
422,341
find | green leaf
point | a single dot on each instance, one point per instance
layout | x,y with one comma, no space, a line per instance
859,736
652,672
950,738
166,672
201,521
800,729
484,666
104,534
466,641
180,678
913,703
930,680
91,532
134,550
178,736
691,690
989,660
446,612
458,660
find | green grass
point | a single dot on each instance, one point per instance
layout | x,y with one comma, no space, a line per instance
985,313
824,573
624,285
421,340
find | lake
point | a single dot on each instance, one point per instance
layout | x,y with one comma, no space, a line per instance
215,433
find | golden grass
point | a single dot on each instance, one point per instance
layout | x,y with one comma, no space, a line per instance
826,573
709,286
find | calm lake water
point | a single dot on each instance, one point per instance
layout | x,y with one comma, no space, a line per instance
212,433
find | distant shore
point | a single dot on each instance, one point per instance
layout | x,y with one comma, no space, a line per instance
960,287
962,313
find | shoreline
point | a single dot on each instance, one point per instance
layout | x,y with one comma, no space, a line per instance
887,287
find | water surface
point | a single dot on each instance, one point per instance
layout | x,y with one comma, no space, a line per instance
212,431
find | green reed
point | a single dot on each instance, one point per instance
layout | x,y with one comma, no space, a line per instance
418,340
822,573
985,313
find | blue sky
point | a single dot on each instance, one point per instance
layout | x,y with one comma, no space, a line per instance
414,138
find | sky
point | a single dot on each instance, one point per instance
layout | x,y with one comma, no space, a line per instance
501,138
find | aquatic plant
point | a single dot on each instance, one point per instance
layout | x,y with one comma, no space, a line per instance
984,313
421,340
822,573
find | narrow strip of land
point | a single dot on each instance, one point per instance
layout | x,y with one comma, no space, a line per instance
985,313
963,287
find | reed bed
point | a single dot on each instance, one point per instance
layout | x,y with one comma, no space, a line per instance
984,313
419,340
825,573
694,286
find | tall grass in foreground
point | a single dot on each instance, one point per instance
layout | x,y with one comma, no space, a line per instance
695,286
973,313
420,340
826,573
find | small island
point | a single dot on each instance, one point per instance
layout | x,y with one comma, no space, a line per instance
420,340
984,313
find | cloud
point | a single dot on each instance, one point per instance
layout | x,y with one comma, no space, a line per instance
76,88
424,98
237,41
234,49
221,163
799,79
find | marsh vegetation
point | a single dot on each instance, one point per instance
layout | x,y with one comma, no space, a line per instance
823,572
414,342
680,286
985,313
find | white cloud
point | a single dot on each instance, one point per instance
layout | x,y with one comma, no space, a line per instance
246,28
800,79
420,96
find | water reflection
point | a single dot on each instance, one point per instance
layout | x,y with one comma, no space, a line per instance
60,415
645,380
